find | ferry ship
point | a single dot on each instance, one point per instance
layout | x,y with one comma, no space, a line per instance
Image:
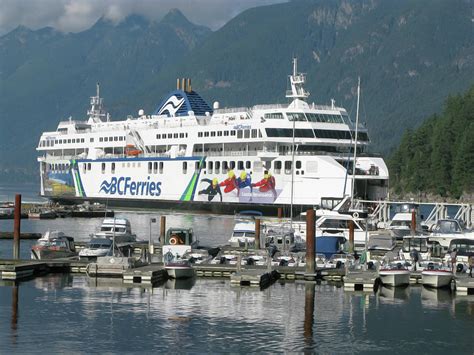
187,154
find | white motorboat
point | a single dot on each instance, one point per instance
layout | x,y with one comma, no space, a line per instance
401,223
95,248
243,234
179,269
179,241
394,274
436,275
118,229
52,245
446,230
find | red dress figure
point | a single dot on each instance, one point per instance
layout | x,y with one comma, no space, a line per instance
229,183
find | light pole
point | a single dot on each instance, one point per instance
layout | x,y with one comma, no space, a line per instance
150,244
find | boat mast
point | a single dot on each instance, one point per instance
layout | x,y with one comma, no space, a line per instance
355,143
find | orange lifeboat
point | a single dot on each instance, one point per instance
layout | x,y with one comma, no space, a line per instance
132,151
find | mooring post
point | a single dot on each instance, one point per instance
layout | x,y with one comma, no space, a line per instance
309,313
280,213
413,222
162,230
14,320
257,233
16,227
310,240
351,236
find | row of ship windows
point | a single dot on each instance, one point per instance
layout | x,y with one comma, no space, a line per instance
243,133
171,135
302,117
319,133
212,167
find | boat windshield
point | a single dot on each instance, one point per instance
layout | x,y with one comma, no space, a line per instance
400,224
340,224
243,234
463,247
447,227
419,244
111,229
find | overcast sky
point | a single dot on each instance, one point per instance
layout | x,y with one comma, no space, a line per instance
78,15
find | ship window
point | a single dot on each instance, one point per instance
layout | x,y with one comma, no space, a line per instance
113,168
115,139
158,136
225,167
103,168
274,115
199,134
101,139
175,135
82,140
155,167
204,165
247,133
232,164
226,133
287,167
170,135
88,166
298,164
296,116
240,134
240,165
56,142
181,135
247,165
257,166
217,167
84,168
106,139
121,138
232,133
277,166
206,134
259,133
186,135
196,166
210,167
254,133
219,133
69,141
91,140
185,167
149,167
161,167
213,134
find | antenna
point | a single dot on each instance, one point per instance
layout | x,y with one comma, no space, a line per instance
355,143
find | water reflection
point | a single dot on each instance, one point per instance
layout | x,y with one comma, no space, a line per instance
394,295
435,297
180,284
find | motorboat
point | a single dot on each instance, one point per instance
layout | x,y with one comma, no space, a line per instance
394,274
380,244
96,247
330,245
118,229
53,245
283,237
243,234
179,241
418,243
41,214
401,223
436,275
446,230
340,261
177,267
89,210
464,250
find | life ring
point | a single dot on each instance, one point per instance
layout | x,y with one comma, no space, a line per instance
174,240
355,215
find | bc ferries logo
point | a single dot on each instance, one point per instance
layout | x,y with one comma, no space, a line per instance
171,105
126,186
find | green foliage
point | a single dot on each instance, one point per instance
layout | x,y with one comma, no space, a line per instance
439,156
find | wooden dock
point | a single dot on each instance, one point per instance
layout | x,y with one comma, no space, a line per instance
464,285
259,278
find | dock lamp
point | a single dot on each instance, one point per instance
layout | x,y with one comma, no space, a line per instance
150,244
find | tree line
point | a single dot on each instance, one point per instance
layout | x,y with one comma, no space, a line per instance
438,157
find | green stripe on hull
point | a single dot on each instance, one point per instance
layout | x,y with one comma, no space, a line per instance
188,194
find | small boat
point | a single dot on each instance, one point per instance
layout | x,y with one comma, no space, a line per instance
436,275
118,229
243,234
88,210
95,248
401,223
178,268
394,274
282,236
53,245
339,261
42,214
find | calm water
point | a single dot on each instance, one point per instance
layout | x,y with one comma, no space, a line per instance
75,314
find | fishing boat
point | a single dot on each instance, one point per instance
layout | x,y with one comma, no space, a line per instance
117,229
179,268
189,154
95,248
53,245
243,233
394,274
436,275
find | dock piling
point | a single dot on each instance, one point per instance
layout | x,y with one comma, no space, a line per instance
310,240
16,227
162,229
413,223
351,236
257,234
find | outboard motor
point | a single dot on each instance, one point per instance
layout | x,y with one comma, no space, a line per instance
430,266
283,262
250,261
370,265
339,264
459,268
222,260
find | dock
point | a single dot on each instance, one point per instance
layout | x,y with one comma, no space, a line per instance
464,285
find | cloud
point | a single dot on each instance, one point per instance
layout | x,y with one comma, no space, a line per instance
78,15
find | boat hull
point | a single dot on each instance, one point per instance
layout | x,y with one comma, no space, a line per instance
436,279
394,278
45,254
179,271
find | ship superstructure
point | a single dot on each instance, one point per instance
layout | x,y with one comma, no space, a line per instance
190,154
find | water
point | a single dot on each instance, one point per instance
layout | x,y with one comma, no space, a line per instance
29,192
60,313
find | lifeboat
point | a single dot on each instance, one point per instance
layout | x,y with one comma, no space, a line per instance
131,150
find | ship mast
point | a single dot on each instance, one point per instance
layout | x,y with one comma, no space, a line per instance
96,112
355,144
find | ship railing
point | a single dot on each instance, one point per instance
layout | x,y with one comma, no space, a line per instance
231,110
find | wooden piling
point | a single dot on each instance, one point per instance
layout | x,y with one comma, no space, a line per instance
309,312
351,236
413,222
16,227
162,229
310,240
280,212
14,320
257,233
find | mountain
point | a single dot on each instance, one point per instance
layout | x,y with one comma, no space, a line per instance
46,75
438,157
410,56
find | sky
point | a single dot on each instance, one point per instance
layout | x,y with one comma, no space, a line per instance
78,15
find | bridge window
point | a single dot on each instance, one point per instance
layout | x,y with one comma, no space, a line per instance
254,133
210,167
298,164
240,134
206,134
185,167
161,167
247,133
170,135
181,135
296,116
213,134
113,168
225,167
247,164
274,116
91,140
89,166
199,134
103,168
226,133
196,165
232,164
288,167
155,167
175,135
232,133
158,136
149,167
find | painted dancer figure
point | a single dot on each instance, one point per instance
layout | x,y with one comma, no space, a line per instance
212,190
230,183
267,184
244,180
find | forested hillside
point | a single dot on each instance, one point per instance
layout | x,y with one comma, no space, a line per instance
438,157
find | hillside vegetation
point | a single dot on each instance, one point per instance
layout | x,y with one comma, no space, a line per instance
438,157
